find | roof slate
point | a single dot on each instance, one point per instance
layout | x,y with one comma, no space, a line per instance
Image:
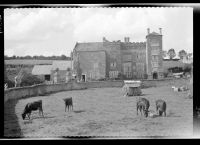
42,70
61,65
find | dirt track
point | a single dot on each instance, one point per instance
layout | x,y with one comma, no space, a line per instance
102,112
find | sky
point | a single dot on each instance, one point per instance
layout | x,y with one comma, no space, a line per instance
55,31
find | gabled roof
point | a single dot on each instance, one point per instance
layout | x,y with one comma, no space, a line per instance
61,65
42,70
91,46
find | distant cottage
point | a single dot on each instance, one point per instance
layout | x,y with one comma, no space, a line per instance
131,60
57,72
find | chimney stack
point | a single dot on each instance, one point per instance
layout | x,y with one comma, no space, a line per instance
126,39
160,31
104,39
148,31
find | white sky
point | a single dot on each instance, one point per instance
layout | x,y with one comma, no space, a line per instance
55,31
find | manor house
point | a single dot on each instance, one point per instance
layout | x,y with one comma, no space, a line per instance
131,60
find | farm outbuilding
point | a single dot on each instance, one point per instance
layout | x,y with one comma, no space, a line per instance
43,72
58,72
61,71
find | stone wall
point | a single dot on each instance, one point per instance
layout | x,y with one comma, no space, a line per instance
42,89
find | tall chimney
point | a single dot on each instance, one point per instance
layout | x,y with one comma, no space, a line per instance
127,39
104,39
148,31
160,31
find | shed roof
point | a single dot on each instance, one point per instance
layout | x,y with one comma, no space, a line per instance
61,65
42,70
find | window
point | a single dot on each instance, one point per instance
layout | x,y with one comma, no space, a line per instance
47,77
155,51
140,67
127,69
154,64
113,74
113,64
155,58
155,43
96,64
127,57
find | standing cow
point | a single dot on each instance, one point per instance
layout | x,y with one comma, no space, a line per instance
36,105
143,105
68,103
161,107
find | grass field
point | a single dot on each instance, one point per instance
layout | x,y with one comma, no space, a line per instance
102,112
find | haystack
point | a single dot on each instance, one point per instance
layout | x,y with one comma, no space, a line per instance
132,88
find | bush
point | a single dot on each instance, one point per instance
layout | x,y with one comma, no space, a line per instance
187,68
10,83
29,80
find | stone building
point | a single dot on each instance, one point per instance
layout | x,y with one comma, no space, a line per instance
130,60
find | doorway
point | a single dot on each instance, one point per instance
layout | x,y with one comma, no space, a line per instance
155,75
83,77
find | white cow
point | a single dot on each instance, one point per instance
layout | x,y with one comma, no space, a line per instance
175,89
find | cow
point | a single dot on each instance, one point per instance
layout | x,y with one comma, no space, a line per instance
68,103
161,107
33,106
143,105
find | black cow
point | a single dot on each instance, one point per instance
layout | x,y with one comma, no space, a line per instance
36,105
161,107
143,105
68,103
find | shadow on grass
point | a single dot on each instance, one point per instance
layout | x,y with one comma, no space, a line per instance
40,117
172,114
11,122
79,111
145,94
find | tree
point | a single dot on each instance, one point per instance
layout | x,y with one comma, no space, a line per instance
182,54
164,53
6,80
6,57
14,57
27,57
63,57
29,80
189,55
171,52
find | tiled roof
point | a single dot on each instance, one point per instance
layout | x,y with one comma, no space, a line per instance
42,69
61,65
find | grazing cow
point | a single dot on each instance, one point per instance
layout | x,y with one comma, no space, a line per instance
36,105
143,105
161,107
68,103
